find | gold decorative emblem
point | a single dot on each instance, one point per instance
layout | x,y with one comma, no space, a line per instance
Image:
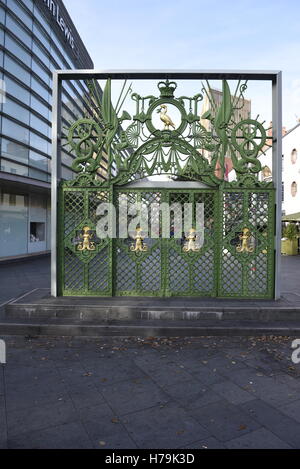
139,245
244,246
165,118
190,245
86,244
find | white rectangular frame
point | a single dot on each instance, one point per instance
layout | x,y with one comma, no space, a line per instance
274,76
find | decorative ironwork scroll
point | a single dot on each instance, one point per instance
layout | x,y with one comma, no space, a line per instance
178,146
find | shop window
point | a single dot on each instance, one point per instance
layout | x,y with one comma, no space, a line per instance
37,232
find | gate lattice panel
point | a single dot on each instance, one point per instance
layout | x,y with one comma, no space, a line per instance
165,269
247,244
84,269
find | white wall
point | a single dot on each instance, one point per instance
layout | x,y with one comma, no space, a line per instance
290,170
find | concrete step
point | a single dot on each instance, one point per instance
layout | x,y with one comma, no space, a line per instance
39,305
143,328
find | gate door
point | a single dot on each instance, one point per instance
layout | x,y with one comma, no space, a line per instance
158,259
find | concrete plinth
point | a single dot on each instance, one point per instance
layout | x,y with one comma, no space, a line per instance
37,313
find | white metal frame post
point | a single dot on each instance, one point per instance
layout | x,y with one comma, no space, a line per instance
55,174
262,75
277,173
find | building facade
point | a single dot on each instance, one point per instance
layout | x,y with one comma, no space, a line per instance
36,37
290,170
243,111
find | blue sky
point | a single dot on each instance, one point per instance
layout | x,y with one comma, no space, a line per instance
199,34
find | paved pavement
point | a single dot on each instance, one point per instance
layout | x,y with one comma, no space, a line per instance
209,392
18,278
152,393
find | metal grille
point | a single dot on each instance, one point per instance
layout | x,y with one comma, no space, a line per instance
247,256
258,274
84,271
73,210
151,272
203,274
219,267
125,272
179,273
99,272
73,272
231,275
94,200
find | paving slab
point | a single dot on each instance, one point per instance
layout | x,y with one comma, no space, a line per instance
224,420
284,427
258,439
167,426
67,436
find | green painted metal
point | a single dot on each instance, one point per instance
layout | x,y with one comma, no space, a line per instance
237,257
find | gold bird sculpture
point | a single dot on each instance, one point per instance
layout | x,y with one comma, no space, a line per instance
165,118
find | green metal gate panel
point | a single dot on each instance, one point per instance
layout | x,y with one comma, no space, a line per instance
165,269
83,272
247,244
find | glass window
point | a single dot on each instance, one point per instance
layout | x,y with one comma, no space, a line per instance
18,31
41,54
41,72
16,111
16,131
35,174
38,161
37,230
39,107
294,156
1,58
41,35
15,151
67,173
294,189
2,16
16,70
17,90
66,159
1,36
13,168
28,3
41,19
17,50
40,90
65,114
58,60
38,142
13,222
39,125
18,10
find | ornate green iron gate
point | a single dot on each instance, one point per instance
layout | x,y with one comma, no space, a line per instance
166,267
231,252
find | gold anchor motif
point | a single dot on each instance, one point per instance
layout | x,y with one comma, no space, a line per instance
86,244
139,245
190,245
245,241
